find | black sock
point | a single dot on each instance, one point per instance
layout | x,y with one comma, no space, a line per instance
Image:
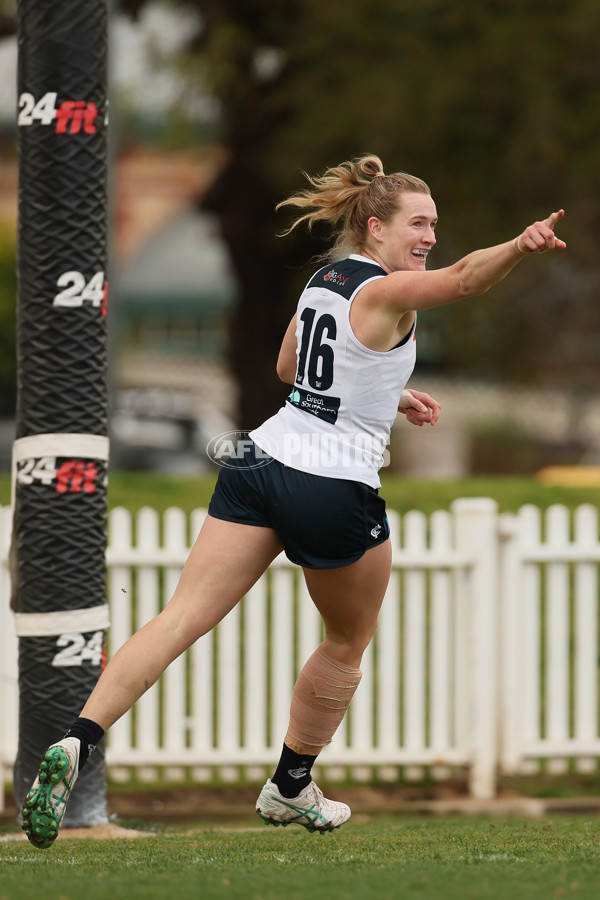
88,734
292,774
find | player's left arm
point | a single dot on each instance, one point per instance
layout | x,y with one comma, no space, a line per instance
419,408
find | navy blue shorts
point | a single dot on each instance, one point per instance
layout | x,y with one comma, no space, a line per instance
323,523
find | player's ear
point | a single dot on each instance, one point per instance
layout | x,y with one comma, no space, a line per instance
374,226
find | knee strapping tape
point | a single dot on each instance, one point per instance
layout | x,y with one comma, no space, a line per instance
322,695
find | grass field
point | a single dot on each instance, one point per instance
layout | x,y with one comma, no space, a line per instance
454,859
136,489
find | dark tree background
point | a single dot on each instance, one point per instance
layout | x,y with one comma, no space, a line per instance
496,105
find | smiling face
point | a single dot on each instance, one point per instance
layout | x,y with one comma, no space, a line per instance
403,241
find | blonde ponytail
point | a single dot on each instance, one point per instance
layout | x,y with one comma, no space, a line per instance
346,197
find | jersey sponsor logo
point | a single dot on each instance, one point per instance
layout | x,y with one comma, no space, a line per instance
335,277
319,405
348,278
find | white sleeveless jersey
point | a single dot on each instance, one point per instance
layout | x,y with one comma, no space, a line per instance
337,419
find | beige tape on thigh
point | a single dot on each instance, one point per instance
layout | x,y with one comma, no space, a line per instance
322,695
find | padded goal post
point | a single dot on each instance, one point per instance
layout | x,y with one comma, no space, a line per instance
60,455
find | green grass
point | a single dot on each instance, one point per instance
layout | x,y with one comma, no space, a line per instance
454,859
136,489
510,493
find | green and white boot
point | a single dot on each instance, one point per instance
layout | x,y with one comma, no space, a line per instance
310,809
46,802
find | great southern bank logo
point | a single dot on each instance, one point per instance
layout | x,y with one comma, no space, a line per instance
230,448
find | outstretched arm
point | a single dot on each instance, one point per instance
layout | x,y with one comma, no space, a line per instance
480,270
472,275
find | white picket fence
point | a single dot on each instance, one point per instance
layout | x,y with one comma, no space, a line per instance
486,656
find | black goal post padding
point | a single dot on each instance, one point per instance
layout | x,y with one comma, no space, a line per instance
60,454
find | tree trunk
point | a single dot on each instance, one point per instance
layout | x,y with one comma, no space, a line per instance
267,268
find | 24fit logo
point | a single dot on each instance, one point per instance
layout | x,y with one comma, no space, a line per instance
68,117
230,448
67,476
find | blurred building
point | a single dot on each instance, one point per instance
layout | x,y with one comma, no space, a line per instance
172,293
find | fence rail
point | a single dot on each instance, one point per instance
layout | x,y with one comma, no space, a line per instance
486,656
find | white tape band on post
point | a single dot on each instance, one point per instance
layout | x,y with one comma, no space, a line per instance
84,446
81,621
67,444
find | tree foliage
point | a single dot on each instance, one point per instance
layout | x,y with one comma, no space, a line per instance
495,104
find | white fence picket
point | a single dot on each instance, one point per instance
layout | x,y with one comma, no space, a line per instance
387,661
360,724
557,672
282,651
387,707
414,646
255,671
148,606
461,671
531,652
201,684
440,626
202,708
228,689
512,642
174,680
120,582
309,628
586,635
476,534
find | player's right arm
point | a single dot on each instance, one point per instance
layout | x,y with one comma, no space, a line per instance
474,274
